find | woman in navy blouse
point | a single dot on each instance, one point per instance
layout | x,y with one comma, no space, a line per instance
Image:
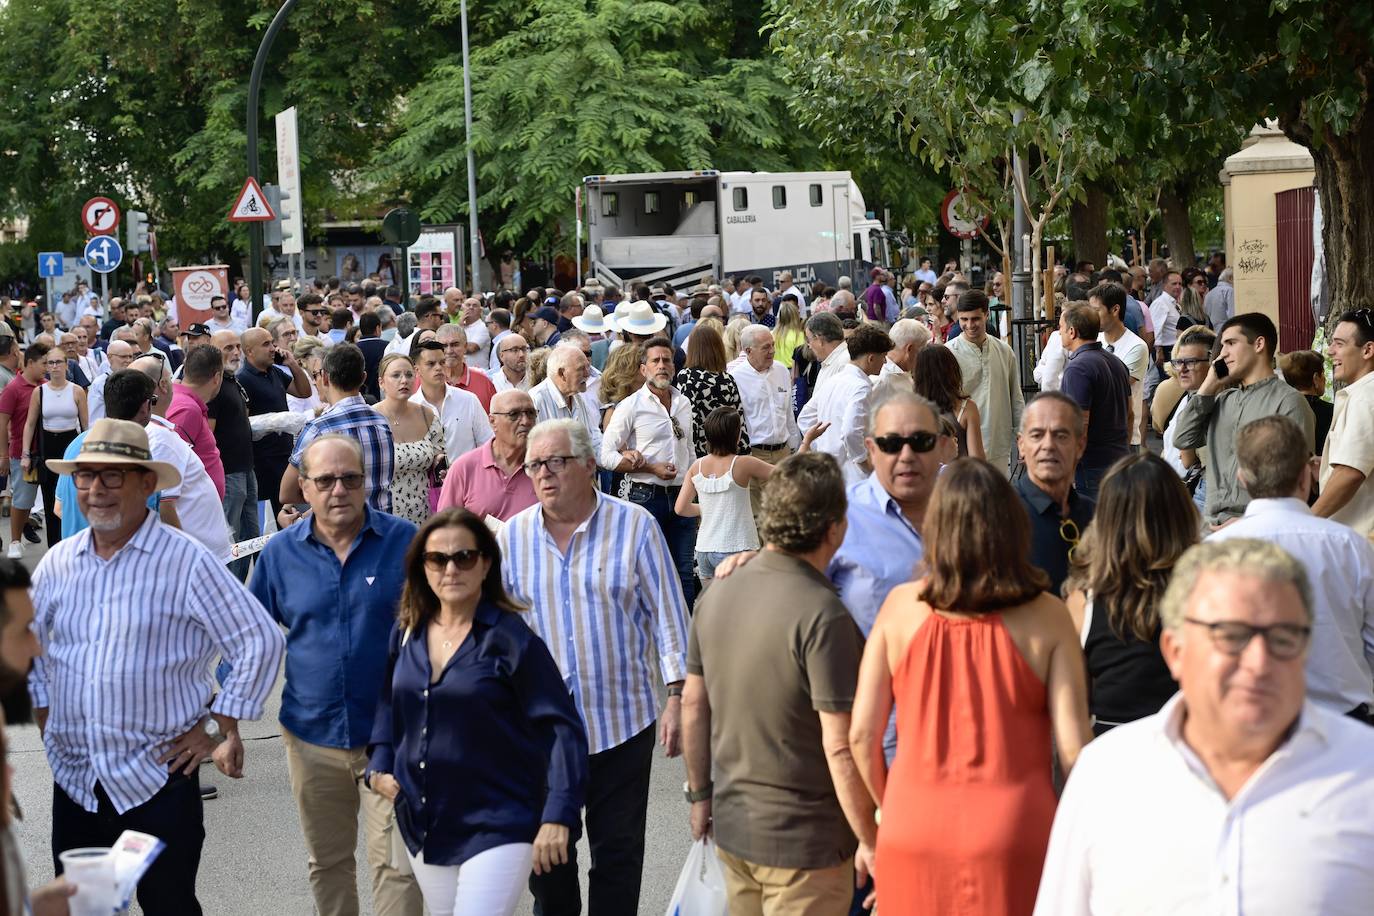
477,740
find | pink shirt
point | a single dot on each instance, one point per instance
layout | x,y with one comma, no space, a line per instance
475,482
191,417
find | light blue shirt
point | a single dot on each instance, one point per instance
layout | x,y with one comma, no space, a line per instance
880,551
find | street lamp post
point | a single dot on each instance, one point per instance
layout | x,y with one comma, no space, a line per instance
472,169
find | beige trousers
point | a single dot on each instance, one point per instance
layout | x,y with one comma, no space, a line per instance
762,890
327,783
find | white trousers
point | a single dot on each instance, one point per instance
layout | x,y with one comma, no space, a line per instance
488,884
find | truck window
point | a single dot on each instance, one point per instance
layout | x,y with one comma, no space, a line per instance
650,201
610,204
779,197
690,199
816,198
741,198
859,250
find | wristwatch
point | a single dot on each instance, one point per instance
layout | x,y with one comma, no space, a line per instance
702,794
211,727
675,690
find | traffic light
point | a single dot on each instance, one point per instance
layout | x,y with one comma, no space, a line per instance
271,231
137,238
288,211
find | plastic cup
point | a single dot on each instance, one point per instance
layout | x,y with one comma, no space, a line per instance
92,870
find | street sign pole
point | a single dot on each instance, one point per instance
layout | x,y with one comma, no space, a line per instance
472,168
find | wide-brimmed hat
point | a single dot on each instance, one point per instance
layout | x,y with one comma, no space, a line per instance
640,318
593,321
118,442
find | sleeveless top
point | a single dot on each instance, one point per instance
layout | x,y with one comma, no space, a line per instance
961,434
727,521
59,408
1127,679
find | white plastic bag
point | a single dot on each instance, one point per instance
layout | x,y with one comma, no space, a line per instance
700,888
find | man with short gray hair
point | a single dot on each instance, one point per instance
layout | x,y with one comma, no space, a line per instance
825,337
765,394
1277,470
908,337
562,394
1238,784
1220,303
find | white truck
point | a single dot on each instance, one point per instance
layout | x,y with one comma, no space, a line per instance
678,227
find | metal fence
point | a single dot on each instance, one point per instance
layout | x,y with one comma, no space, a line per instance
1026,337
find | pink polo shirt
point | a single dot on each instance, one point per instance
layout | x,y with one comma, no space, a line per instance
191,418
475,482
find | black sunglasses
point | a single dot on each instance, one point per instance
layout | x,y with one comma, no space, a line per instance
893,444
463,559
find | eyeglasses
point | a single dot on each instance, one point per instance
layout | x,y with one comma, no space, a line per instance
506,350
677,428
892,444
110,478
326,482
1285,641
1190,364
463,559
1069,534
555,464
524,413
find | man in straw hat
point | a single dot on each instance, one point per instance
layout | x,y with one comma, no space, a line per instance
132,613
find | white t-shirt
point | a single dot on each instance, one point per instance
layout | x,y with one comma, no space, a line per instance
1132,352
198,503
478,334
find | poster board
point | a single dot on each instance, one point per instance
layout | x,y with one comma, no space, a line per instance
194,287
433,261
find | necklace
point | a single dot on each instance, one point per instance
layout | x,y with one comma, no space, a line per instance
446,644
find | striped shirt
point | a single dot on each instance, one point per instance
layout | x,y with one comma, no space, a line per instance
605,609
128,645
352,417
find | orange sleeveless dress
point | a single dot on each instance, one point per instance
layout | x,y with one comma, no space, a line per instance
969,801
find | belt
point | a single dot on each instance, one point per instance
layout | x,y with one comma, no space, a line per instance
771,447
1362,713
655,487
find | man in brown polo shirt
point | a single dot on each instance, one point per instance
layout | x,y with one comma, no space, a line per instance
767,700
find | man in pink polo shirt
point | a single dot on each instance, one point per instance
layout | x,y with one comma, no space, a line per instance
201,375
490,479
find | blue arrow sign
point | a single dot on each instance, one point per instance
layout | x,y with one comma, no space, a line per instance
49,264
103,253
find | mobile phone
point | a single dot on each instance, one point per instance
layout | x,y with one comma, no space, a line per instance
1221,368
278,358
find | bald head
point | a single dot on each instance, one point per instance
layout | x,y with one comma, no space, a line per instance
120,354
161,374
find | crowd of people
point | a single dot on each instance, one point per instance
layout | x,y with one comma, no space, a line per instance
923,642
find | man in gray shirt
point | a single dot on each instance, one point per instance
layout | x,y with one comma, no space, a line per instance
1247,391
1220,303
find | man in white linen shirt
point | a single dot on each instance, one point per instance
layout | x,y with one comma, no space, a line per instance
908,337
990,377
562,394
1276,467
649,440
460,413
1109,299
765,395
1164,314
825,337
1238,796
842,402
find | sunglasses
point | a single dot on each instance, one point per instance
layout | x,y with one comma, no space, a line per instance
893,444
326,482
463,559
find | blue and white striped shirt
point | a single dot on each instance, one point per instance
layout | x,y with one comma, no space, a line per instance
128,643
352,417
604,609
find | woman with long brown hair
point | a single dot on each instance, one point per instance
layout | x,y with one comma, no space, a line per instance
985,670
936,375
1143,523
476,740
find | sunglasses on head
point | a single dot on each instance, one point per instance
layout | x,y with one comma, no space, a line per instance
892,444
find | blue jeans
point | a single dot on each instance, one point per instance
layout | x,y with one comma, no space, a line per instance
1200,495
680,533
241,512
1087,480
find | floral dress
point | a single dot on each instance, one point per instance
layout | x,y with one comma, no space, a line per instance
707,391
410,483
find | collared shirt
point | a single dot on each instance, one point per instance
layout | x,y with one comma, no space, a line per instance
553,405
881,550
464,420
127,655
1351,443
993,381
191,417
1340,570
1142,828
1164,314
1135,356
475,382
1214,420
841,401
1220,304
766,399
1050,542
837,360
494,359
352,417
501,383
460,796
1050,369
95,396
479,336
199,506
661,434
891,370
1101,385
603,608
266,390
337,619
477,483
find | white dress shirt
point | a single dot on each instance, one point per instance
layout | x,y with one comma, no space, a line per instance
1164,314
766,398
465,422
1143,829
837,360
1049,371
1135,356
494,360
843,403
801,300
891,370
199,506
660,434
1340,568
501,383
478,334
552,405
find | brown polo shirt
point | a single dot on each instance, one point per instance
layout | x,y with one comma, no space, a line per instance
775,646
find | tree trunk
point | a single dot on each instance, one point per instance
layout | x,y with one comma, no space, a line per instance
1088,224
1178,228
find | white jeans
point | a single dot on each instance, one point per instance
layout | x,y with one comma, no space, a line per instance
488,884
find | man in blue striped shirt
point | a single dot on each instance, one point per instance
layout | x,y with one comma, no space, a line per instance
341,381
131,614
605,598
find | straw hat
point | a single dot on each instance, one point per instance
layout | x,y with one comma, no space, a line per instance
593,321
118,442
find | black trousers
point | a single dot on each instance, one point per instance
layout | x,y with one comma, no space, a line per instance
617,806
54,445
174,815
270,470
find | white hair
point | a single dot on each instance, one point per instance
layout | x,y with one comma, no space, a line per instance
451,330
753,335
909,331
572,337
561,357
579,440
1226,275
844,283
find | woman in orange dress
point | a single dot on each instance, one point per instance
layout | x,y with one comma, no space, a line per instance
984,667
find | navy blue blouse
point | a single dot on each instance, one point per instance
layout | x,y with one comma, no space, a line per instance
488,753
